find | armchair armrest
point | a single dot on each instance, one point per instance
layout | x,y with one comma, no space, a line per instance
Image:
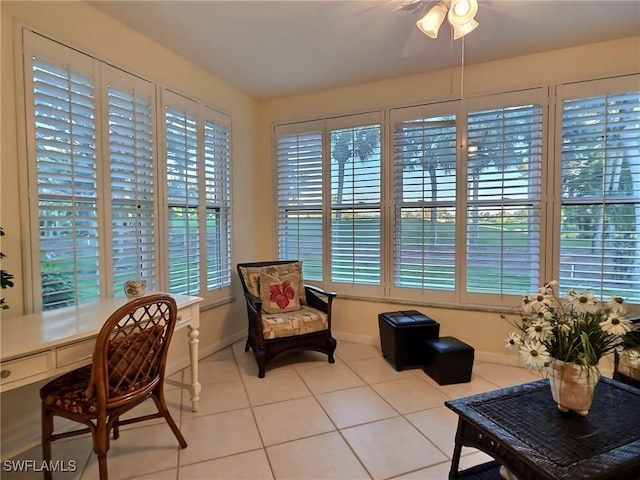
314,298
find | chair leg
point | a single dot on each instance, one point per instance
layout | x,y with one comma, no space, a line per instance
161,404
47,431
116,429
101,446
332,348
261,360
246,345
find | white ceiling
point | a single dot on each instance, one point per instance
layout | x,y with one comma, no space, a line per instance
275,48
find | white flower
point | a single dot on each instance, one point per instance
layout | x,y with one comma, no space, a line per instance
544,313
547,289
581,302
535,354
616,325
616,304
634,358
541,300
526,303
540,330
513,341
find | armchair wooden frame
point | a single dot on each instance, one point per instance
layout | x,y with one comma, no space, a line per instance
264,349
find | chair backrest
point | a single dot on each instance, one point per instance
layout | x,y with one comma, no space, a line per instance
131,349
247,272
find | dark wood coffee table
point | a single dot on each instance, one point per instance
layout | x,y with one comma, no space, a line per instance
522,428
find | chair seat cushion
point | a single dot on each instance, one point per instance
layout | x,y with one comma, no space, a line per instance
67,392
305,320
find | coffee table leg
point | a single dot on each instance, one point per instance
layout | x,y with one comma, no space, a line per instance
457,450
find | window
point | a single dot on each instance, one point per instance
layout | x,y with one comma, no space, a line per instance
600,188
356,192
132,183
94,189
424,186
197,166
330,180
475,202
300,198
66,171
503,198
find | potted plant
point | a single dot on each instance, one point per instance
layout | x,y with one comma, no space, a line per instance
5,278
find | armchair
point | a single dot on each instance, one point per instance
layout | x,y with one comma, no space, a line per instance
284,314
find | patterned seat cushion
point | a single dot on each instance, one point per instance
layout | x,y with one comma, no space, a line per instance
305,320
67,392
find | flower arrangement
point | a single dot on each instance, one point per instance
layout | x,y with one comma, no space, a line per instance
575,329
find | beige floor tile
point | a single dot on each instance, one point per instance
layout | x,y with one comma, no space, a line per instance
138,451
71,455
330,378
505,375
376,370
219,435
355,406
216,398
291,420
391,447
350,352
410,394
171,474
243,466
220,355
455,390
173,398
275,388
441,470
323,457
215,372
438,425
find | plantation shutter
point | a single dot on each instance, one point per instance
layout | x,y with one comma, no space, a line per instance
183,198
65,173
424,185
132,180
503,200
217,189
300,233
356,189
600,217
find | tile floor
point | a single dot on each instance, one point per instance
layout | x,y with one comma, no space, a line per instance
307,419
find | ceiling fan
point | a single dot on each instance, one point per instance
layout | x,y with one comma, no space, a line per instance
460,14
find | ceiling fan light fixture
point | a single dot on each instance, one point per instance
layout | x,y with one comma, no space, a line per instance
462,30
462,12
431,22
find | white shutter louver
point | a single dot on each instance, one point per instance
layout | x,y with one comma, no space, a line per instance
132,187
300,201
600,219
218,205
65,149
503,200
356,178
425,199
182,189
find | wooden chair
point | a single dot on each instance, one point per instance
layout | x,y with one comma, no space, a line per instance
128,367
303,324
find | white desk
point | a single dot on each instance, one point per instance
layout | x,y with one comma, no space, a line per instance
43,345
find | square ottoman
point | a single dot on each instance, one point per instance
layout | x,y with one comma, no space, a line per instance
401,334
448,360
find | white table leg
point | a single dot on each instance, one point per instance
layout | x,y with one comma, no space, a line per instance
193,351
